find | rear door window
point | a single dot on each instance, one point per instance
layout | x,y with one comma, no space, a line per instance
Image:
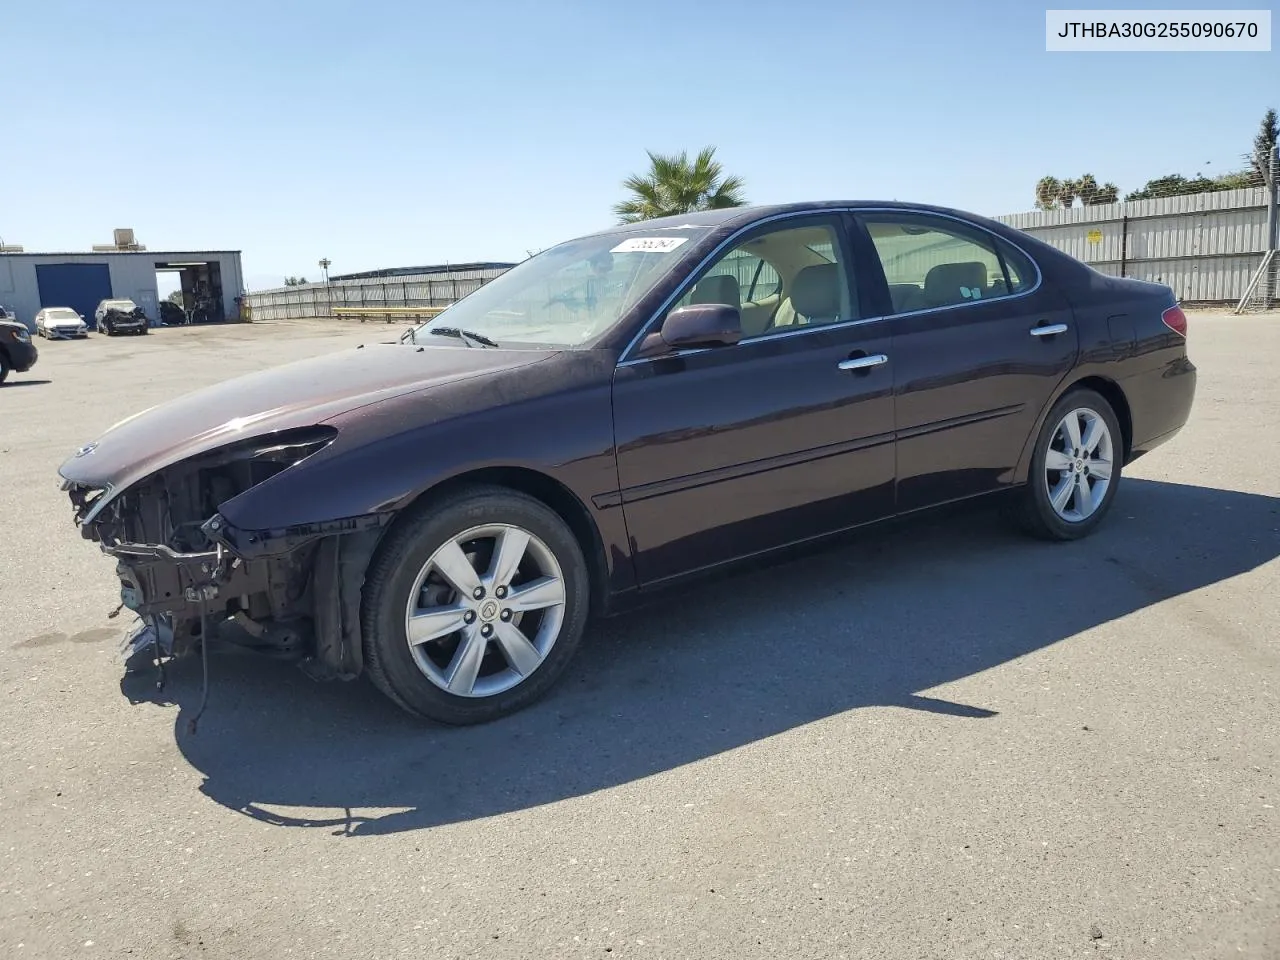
932,262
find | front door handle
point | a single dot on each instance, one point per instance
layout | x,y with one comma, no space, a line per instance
1048,330
863,363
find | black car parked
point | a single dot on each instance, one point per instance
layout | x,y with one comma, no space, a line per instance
17,352
618,413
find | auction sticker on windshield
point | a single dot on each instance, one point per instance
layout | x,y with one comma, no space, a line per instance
649,245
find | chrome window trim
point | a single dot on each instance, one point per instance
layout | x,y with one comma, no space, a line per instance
624,360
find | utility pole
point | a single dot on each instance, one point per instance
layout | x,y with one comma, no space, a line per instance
328,293
1269,291
1273,226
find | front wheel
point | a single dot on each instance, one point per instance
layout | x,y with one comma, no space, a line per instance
473,608
1075,470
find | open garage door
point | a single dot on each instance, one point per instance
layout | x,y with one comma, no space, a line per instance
80,286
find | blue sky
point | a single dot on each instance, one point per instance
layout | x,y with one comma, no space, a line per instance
384,134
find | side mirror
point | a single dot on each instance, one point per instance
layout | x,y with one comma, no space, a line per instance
702,325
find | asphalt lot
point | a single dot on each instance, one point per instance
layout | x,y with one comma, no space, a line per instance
944,741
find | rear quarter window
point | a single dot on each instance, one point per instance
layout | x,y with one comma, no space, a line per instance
1022,272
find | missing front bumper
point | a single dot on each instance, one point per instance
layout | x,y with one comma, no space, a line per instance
157,580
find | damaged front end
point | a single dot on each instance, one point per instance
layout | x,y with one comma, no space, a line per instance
187,571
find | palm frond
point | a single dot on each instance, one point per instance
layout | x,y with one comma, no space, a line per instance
673,186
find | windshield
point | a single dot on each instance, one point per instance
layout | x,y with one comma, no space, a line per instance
62,315
119,305
570,294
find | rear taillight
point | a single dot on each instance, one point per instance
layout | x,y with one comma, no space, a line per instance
1175,320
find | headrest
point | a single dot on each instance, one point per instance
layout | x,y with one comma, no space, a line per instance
816,291
720,288
947,282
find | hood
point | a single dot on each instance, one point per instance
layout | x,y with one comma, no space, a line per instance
299,394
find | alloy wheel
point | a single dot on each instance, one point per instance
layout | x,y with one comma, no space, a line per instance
485,610
1078,464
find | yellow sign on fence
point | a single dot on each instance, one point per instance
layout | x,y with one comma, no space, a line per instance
1094,236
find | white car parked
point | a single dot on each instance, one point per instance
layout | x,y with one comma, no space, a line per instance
55,322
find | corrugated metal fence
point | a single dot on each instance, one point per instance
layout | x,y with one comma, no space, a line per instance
435,289
1206,246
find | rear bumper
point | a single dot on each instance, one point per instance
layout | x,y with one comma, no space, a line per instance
22,356
1160,402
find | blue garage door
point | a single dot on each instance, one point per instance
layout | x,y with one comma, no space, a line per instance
80,286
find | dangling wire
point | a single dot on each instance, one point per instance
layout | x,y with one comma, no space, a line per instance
158,654
204,664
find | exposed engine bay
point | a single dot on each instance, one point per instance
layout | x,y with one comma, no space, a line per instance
189,574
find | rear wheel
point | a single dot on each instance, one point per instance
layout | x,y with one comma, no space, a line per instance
1075,470
4,366
473,608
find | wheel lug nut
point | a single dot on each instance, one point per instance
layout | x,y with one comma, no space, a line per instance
506,614
500,592
478,593
486,630
469,617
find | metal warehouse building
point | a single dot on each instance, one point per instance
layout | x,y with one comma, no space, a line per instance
211,279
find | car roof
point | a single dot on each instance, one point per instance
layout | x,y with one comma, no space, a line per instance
740,216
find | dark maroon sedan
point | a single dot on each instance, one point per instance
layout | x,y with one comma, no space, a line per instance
617,413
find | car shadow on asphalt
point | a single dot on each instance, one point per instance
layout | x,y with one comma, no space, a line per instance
878,621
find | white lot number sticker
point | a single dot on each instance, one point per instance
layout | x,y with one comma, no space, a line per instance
649,245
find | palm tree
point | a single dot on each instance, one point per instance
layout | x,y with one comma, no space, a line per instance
674,186
1087,189
1047,191
1107,193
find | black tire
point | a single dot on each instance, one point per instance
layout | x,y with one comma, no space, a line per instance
394,570
4,366
1033,510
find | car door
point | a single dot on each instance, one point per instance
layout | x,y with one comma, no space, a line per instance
732,450
979,345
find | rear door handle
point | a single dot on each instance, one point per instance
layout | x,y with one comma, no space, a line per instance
863,363
1049,330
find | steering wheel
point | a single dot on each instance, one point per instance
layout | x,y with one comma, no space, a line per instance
569,300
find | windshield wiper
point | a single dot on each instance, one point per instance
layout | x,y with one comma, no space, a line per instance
466,336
